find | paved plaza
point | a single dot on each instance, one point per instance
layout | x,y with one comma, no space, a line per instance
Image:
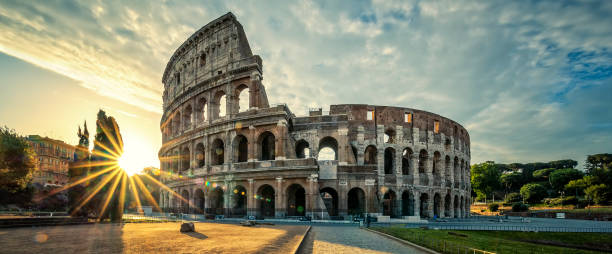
350,239
151,238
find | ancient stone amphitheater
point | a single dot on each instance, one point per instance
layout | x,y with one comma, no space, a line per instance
227,151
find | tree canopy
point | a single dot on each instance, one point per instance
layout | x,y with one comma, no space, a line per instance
16,161
485,178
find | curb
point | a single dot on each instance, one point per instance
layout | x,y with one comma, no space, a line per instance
299,246
403,241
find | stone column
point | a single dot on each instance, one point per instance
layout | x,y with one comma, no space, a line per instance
417,204
281,140
252,155
452,207
278,198
414,165
429,169
251,199
430,205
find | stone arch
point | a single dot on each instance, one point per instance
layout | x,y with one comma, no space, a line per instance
217,201
424,205
447,206
390,136
437,162
456,206
187,113
185,201
199,200
176,123
265,196
389,161
242,98
239,201
390,204
218,152
356,201
447,168
437,205
407,203
241,148
328,149
202,108
423,161
406,156
296,200
302,149
218,105
200,155
456,171
185,160
330,199
370,155
267,143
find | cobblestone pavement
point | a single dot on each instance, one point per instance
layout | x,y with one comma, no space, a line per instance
345,239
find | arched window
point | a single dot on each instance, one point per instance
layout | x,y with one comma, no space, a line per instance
370,155
267,147
390,136
200,155
218,152
219,104
422,161
406,154
389,160
185,160
187,117
241,149
176,123
328,149
242,94
302,149
437,161
201,108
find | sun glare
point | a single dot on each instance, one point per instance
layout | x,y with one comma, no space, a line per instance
130,167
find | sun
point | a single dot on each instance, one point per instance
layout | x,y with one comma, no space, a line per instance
130,167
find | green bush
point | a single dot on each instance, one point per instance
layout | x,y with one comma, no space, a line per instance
533,192
553,201
513,198
519,207
493,207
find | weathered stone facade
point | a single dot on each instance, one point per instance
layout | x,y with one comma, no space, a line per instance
266,161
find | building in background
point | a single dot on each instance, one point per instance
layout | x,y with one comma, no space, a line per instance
52,160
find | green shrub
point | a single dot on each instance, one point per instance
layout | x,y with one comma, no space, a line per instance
493,207
519,207
533,192
513,198
553,201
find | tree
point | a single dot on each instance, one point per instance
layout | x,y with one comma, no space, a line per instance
542,174
560,164
79,169
16,162
597,193
559,178
598,162
485,179
512,181
533,192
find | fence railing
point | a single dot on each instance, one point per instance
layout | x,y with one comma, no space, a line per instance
519,228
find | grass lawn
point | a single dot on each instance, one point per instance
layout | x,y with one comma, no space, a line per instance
504,241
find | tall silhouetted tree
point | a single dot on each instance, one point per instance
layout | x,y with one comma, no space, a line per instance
79,169
16,166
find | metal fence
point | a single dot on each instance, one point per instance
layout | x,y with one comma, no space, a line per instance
514,228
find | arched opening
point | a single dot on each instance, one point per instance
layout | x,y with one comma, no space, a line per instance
296,200
302,149
202,110
389,160
216,201
406,161
330,199
187,117
461,170
175,161
242,95
436,165
185,201
390,136
407,204
456,172
447,169
199,200
218,152
267,146
437,204
328,149
241,149
219,104
462,208
370,155
200,155
265,195
390,204
186,158
447,206
424,206
456,206
239,201
422,161
356,202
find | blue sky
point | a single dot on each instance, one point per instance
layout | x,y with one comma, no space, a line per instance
530,80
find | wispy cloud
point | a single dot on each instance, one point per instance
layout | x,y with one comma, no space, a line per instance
530,80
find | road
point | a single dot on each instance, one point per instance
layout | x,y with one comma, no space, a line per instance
350,239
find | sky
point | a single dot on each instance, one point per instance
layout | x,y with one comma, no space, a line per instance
529,80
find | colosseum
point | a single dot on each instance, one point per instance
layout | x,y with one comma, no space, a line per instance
228,151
